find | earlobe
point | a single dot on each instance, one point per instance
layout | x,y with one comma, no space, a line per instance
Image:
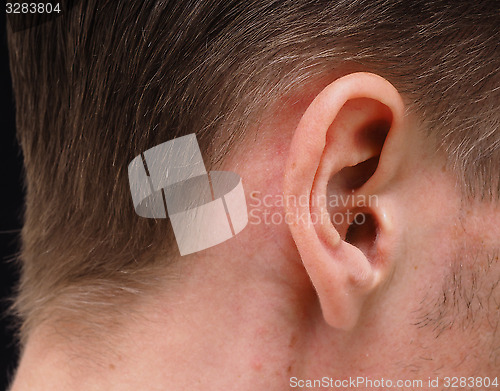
345,147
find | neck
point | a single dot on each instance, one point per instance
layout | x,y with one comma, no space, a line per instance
209,323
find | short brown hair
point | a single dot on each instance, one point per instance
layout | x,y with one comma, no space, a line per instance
110,79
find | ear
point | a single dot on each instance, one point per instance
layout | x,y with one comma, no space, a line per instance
345,150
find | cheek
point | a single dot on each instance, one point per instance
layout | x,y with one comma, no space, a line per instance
445,321
414,319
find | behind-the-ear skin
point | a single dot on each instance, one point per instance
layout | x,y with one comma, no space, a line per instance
347,144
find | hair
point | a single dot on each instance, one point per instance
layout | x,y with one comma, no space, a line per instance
109,79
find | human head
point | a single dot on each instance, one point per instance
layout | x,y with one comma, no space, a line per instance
115,79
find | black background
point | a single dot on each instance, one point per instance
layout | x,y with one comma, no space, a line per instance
11,207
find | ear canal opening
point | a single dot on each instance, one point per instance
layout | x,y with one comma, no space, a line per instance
362,233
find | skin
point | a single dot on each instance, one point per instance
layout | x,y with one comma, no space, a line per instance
288,307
